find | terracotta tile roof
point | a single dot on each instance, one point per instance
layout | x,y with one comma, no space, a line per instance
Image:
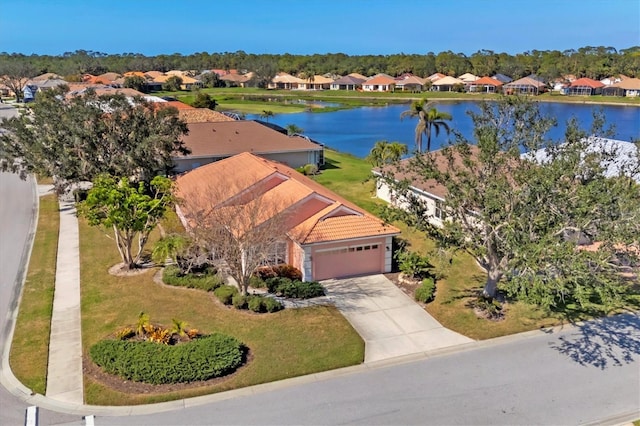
283,77
153,74
584,81
109,76
134,74
356,75
318,79
628,84
47,76
412,79
233,137
381,80
447,81
349,79
526,81
317,214
488,81
177,105
436,76
202,115
237,78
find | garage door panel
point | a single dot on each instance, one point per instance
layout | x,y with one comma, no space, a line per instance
347,261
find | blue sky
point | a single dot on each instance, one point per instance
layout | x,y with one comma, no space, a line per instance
353,27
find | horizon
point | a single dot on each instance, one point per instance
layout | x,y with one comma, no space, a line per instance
353,28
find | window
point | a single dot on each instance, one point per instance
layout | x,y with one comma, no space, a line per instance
439,213
277,254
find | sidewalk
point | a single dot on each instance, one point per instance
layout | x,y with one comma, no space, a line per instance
64,370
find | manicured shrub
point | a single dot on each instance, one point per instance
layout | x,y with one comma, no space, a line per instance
272,305
256,304
256,282
225,293
294,288
202,359
239,301
208,280
413,264
426,292
265,272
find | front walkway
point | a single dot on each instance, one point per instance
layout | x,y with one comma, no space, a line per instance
389,321
64,371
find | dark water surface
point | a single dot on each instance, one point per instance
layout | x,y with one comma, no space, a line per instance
356,130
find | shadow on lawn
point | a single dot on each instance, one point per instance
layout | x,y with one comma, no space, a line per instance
330,164
611,341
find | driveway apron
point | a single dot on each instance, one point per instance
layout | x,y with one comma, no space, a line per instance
389,321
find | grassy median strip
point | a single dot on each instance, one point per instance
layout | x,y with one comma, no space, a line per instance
30,347
286,344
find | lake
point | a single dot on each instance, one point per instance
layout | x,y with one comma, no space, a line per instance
356,130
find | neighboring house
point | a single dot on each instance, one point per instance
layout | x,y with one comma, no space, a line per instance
284,81
348,82
502,78
213,141
446,84
524,86
431,194
485,85
621,156
468,78
326,235
585,87
410,83
153,74
32,87
317,82
238,80
379,83
627,87
613,79
202,115
436,76
47,76
188,83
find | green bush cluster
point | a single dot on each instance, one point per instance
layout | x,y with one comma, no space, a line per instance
289,288
225,293
413,264
201,359
208,280
426,292
256,303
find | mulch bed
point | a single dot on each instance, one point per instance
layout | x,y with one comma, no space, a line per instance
408,287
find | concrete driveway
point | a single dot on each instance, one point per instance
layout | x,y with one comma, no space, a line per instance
389,321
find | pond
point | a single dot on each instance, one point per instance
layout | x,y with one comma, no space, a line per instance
356,130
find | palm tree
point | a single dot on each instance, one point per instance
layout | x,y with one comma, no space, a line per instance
266,114
384,152
292,129
428,118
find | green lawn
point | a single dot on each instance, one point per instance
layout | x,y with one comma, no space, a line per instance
30,346
286,344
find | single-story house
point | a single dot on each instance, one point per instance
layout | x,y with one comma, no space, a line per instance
585,87
326,236
503,78
317,82
446,84
410,83
238,80
214,141
431,193
188,83
468,77
621,157
436,76
201,115
485,85
524,86
627,87
347,82
379,83
284,81
608,81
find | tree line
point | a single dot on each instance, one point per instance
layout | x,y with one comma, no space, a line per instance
595,62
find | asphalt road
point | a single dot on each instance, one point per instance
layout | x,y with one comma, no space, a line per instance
588,374
577,376
17,211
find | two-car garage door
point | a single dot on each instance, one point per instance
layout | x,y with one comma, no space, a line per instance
365,258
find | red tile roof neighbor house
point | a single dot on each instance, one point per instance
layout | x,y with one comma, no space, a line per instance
327,236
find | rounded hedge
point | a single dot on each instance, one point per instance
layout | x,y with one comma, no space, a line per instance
212,356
